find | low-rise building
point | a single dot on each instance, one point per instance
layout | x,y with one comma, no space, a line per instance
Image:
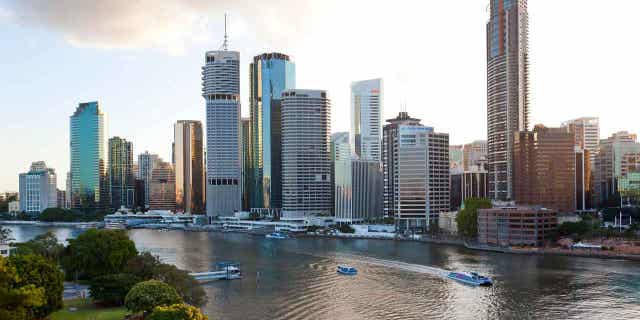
506,226
14,206
5,250
447,222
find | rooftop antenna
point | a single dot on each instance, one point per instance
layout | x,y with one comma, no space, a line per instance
225,44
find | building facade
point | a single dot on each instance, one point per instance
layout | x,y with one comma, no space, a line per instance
188,165
618,168
507,90
270,75
247,172
468,184
121,179
146,163
365,137
456,159
358,186
89,181
545,168
586,131
508,226
474,156
162,195
221,91
38,189
416,173
306,156
340,148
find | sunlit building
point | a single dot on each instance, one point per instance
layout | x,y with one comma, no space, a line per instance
507,89
162,195
146,163
618,168
270,75
358,186
188,165
38,188
365,136
121,179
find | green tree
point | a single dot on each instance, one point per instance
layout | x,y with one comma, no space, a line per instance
98,252
177,312
45,244
42,273
467,218
112,289
143,266
188,288
575,229
147,295
56,215
5,235
17,302
345,228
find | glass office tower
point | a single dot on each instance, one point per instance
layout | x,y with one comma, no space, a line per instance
188,166
89,182
270,73
121,177
366,114
507,90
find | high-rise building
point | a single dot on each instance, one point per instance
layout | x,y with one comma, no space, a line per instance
89,181
583,179
121,173
162,195
38,188
416,173
306,159
188,166
545,168
465,185
474,156
456,158
340,148
62,199
270,75
366,116
247,172
507,89
358,186
587,135
146,163
618,168
67,199
139,190
221,91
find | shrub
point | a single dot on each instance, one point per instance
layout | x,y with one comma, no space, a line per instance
147,295
112,289
177,312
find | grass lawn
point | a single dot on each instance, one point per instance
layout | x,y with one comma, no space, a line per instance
87,311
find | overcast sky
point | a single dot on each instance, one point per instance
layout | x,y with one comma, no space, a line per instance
141,60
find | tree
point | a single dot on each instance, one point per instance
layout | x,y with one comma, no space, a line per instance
345,228
5,235
112,289
177,312
576,229
147,295
143,266
187,287
467,218
56,215
17,301
98,252
45,244
42,273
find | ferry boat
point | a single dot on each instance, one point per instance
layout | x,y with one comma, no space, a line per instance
277,235
347,270
470,278
226,270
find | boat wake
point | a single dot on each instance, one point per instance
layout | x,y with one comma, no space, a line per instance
418,268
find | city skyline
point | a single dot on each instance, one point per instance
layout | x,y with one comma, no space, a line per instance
127,100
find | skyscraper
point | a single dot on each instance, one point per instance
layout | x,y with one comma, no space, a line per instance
221,91
618,168
38,189
474,156
163,188
366,116
587,135
340,148
507,89
416,173
270,74
188,166
306,162
89,182
146,163
121,177
358,186
247,173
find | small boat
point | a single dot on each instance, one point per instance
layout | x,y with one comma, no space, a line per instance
226,270
470,278
277,235
348,270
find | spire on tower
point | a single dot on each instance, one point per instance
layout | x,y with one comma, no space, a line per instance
225,44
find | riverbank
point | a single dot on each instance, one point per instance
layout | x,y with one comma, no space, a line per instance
50,224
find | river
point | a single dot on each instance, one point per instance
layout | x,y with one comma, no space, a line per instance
296,279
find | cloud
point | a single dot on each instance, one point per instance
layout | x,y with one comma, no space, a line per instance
167,24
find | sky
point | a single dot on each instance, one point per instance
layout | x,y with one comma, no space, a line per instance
142,61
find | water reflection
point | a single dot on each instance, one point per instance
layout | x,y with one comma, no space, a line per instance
296,279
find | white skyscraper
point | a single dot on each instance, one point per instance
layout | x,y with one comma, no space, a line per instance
146,163
366,115
38,188
221,91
